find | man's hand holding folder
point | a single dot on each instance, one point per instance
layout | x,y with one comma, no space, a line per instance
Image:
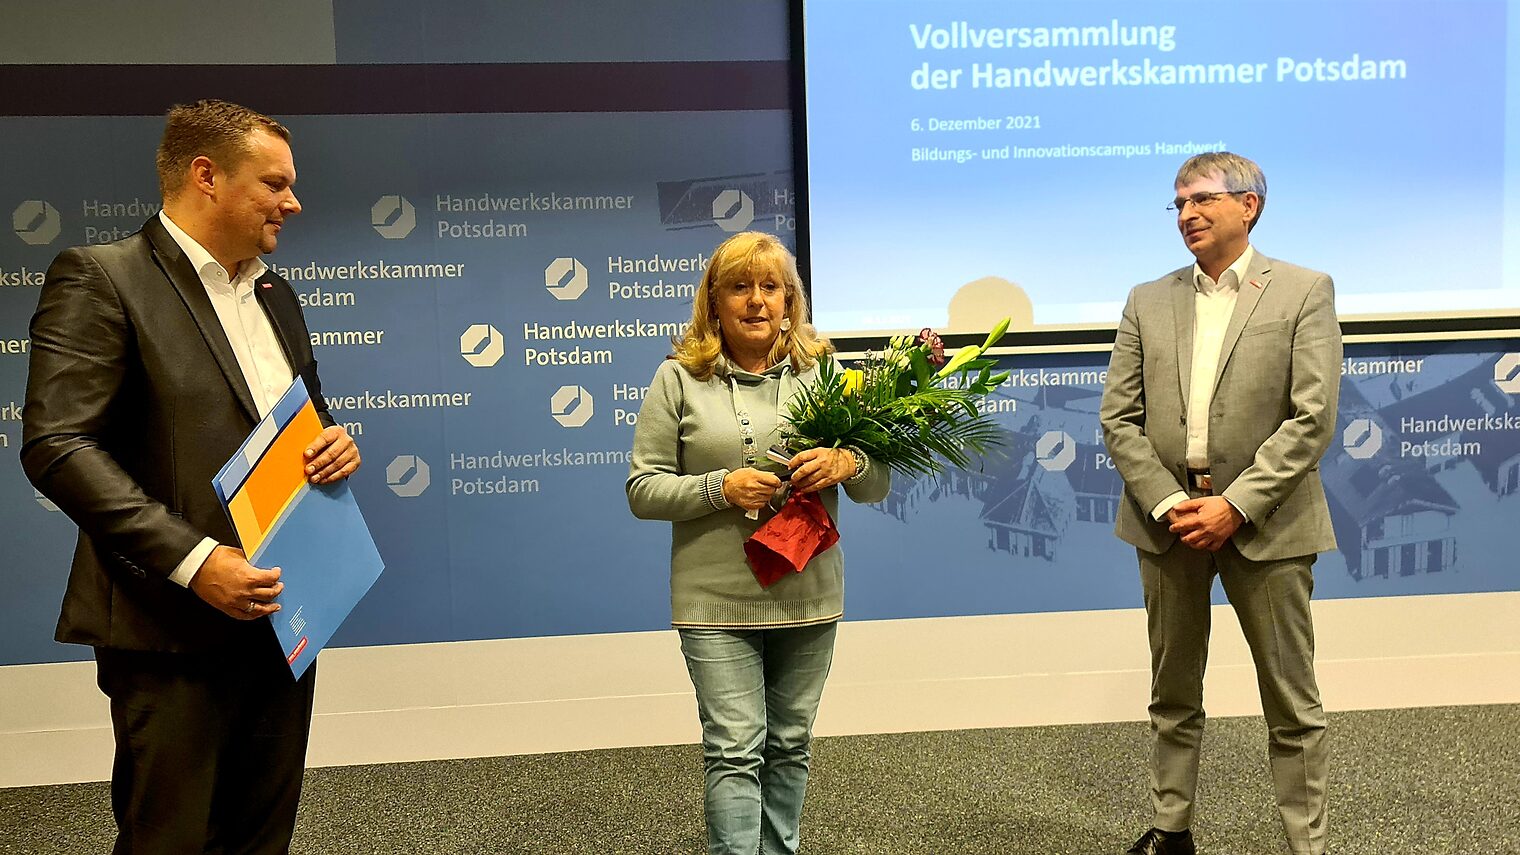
235,587
289,501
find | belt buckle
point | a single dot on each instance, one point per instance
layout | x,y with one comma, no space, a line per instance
1203,482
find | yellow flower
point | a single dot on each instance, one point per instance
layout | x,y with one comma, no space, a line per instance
854,378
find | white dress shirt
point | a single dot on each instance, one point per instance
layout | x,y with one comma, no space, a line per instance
258,351
1213,304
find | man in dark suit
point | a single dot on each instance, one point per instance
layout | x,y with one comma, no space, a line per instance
1220,401
152,359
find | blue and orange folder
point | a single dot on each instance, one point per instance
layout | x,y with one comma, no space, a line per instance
314,534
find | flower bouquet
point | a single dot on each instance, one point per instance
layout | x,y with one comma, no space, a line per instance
906,407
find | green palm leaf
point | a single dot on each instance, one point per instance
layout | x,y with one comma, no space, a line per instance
903,415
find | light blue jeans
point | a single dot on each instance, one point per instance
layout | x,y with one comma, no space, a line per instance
757,695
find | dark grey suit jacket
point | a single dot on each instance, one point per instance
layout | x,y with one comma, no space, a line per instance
134,401
1270,421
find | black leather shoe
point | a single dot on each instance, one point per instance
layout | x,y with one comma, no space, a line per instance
1158,842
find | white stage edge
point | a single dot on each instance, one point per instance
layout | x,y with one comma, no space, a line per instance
570,693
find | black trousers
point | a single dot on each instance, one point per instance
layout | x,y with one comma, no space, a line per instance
210,749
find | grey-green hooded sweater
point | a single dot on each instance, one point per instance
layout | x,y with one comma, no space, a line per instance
689,436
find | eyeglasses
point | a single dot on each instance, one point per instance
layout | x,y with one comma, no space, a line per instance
1201,200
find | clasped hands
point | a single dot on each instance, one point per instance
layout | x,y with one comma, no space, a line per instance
240,590
1205,523
812,470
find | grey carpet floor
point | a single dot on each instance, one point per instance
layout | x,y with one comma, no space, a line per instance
1442,780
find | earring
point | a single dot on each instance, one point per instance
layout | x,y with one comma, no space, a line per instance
786,324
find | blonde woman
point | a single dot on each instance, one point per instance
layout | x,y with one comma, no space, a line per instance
758,656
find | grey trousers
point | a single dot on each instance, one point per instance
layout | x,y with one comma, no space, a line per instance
1271,600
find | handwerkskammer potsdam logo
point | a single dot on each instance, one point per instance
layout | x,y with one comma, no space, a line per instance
572,406
1362,438
408,475
1055,450
482,345
36,222
733,210
1507,374
393,217
565,278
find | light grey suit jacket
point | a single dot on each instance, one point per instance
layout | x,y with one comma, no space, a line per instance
1272,416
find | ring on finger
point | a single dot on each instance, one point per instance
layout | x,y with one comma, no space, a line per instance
252,604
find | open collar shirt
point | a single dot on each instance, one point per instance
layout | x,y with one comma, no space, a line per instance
1213,304
259,354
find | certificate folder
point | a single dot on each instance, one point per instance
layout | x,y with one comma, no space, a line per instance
315,534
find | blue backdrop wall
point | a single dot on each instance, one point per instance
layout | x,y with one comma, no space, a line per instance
507,207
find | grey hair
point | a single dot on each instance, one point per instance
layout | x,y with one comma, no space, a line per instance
1239,174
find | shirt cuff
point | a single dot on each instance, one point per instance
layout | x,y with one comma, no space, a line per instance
1159,512
1245,517
712,490
192,563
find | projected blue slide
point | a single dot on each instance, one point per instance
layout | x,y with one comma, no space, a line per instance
1024,151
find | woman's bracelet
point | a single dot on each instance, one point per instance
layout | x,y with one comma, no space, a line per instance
862,465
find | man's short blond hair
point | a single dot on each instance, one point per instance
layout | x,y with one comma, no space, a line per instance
216,129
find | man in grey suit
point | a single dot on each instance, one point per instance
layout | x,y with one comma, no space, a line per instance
1219,403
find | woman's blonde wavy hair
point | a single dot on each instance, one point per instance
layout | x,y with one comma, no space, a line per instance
734,260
